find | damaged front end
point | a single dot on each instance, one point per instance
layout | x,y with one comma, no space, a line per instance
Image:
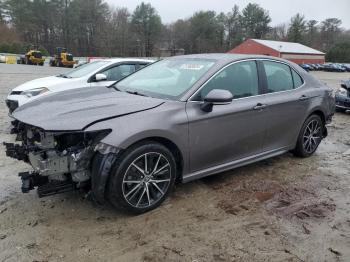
61,160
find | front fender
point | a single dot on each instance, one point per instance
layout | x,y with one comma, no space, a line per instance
100,171
169,123
124,141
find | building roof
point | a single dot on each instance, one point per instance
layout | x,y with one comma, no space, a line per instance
288,47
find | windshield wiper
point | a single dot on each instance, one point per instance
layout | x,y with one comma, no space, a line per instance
113,86
135,93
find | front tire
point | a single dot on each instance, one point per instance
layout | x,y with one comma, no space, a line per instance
310,136
142,178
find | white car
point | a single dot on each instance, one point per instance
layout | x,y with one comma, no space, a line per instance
102,72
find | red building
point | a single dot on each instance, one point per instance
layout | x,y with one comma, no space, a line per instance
294,52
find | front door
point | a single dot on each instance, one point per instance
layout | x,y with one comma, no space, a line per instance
232,131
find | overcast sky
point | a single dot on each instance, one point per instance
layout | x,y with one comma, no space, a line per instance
280,10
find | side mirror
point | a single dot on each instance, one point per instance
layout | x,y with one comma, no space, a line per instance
216,97
100,77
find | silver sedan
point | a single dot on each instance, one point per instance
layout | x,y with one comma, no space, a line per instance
180,119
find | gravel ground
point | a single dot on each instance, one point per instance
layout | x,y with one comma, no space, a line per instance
282,209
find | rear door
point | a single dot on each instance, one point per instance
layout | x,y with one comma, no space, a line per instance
287,102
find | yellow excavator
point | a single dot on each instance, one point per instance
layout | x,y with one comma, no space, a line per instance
32,57
62,58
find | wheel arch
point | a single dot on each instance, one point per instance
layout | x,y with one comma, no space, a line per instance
101,165
320,113
171,146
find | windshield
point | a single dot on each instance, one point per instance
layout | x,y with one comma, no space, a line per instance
84,69
169,78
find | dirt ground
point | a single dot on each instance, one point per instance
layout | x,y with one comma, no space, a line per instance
282,209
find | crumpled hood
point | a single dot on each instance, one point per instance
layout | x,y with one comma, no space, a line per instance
42,82
78,108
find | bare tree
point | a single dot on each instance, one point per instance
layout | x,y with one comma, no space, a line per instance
279,32
234,27
147,25
120,32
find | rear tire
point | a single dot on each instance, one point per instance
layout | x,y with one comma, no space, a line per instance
150,169
310,136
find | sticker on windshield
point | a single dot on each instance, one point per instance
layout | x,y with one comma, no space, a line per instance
192,66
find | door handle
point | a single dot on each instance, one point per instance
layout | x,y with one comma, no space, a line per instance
303,98
259,106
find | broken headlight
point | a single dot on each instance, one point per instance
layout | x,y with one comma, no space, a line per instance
79,139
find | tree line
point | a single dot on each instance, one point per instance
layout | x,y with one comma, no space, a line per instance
93,28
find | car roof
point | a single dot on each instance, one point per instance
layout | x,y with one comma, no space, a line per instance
119,60
223,58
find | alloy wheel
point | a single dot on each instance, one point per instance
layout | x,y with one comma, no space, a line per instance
312,136
146,180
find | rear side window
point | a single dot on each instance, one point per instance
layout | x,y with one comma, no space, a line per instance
298,81
118,72
141,66
126,70
279,77
241,79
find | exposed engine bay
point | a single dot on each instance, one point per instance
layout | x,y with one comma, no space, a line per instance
61,160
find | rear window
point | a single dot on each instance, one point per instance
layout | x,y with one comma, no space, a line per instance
118,72
279,77
298,81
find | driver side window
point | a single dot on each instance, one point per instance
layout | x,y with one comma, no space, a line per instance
241,79
118,72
